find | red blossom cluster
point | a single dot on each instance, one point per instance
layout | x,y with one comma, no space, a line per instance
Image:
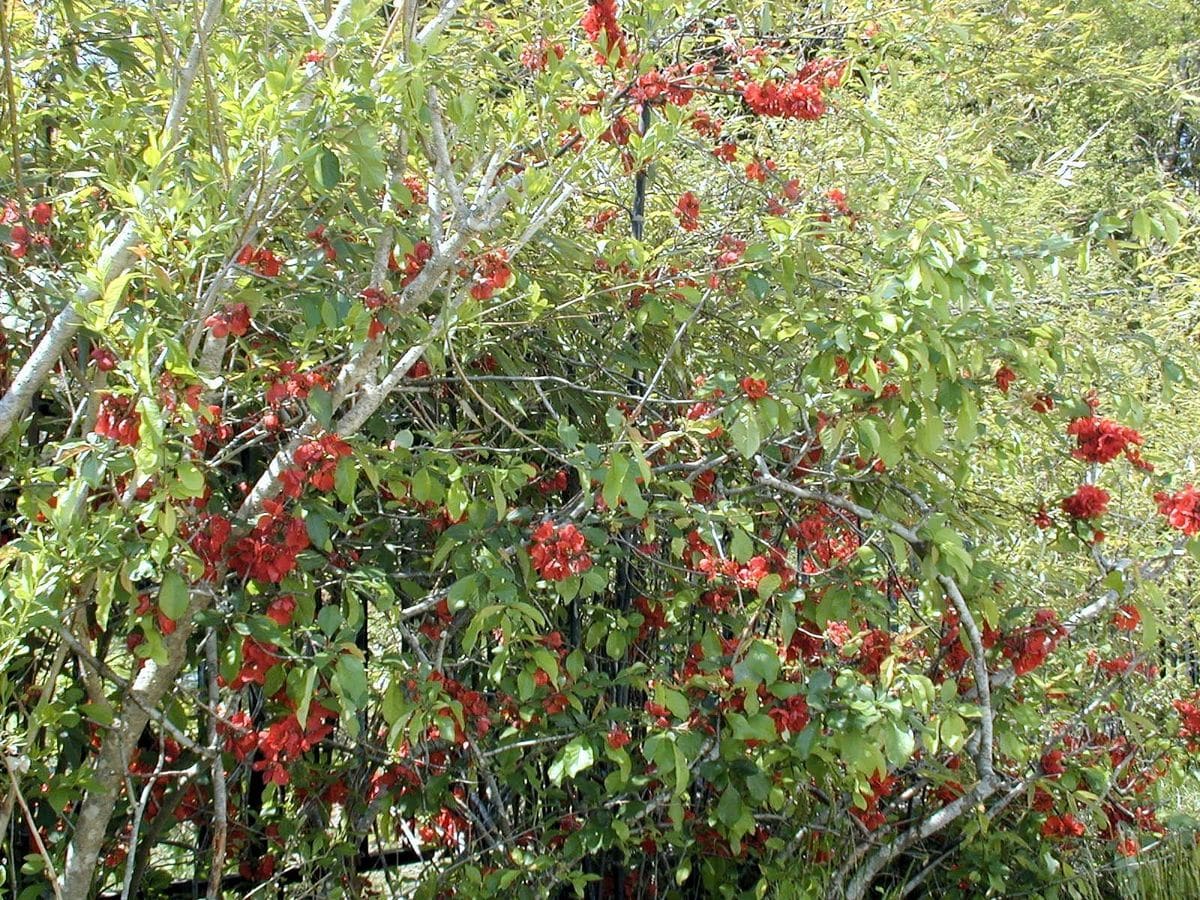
317,460
281,610
281,743
704,559
1028,647
1088,502
118,420
870,815
20,238
799,97
671,85
758,171
535,56
559,552
731,250
317,236
754,388
876,645
599,222
257,660
1004,378
1052,763
211,432
261,260
1103,440
687,211
600,25
1064,826
1189,721
617,737
208,539
552,483
474,706
414,262
104,359
289,383
234,319
492,274
1127,617
1181,509
791,715
269,551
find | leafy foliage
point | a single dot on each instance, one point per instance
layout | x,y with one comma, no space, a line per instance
667,447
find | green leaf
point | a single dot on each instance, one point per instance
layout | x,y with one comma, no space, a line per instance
930,431
320,404
173,596
899,743
614,479
463,592
327,169
576,757
191,479
745,434
352,679
760,664
729,808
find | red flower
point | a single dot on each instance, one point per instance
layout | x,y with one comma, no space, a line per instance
1102,440
269,552
687,210
314,56
1042,519
234,320
617,737
792,715
257,660
536,56
1127,617
558,553
1189,720
104,359
1028,647
1042,403
319,459
1004,378
1088,502
266,262
1052,763
757,171
281,611
41,213
754,388
600,25
726,151
1065,826
118,420
491,274
1129,847
1182,509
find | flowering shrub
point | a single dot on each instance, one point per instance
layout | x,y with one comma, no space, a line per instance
616,451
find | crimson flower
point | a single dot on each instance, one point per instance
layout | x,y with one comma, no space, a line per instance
1088,502
1181,509
1004,378
754,388
687,210
1102,440
558,553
